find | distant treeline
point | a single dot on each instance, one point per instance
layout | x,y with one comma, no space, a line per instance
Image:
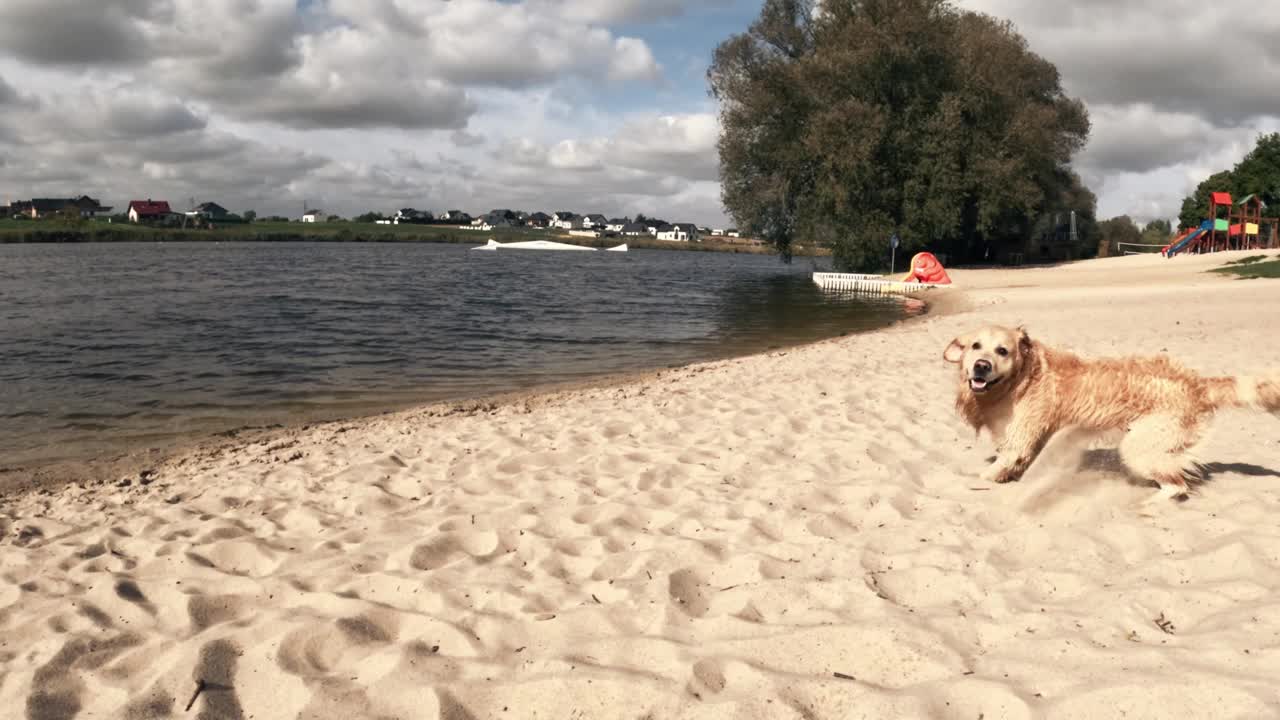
95,232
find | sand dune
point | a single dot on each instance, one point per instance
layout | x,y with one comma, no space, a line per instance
794,535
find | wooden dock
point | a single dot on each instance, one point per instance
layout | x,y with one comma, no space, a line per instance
869,284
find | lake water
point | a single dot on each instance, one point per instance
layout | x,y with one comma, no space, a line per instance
113,346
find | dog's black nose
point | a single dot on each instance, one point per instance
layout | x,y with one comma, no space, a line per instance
981,368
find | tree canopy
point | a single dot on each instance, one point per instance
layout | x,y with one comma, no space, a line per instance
1114,231
844,124
1258,173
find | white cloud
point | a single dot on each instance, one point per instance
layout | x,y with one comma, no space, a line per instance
609,12
350,104
1177,89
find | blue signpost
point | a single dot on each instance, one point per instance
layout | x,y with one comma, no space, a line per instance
893,252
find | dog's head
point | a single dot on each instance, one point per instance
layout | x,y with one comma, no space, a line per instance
990,357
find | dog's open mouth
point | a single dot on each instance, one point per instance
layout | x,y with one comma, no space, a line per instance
981,385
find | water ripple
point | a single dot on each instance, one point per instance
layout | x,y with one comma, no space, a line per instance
101,345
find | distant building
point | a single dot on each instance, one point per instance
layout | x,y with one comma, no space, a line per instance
615,225
566,220
313,216
409,216
538,219
503,218
37,208
455,216
634,229
210,210
679,232
594,221
148,211
691,232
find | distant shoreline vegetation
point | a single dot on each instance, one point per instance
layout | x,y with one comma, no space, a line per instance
90,231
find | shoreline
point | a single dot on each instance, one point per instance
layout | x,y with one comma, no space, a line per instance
797,533
362,233
126,463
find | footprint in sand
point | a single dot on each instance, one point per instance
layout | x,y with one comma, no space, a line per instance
688,590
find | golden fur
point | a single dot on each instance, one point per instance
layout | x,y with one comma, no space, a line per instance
1033,391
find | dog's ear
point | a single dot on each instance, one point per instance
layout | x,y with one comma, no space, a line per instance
954,351
1025,343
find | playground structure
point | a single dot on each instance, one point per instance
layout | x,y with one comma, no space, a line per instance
1243,228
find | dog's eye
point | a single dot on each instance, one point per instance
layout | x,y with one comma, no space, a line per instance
977,346
1002,352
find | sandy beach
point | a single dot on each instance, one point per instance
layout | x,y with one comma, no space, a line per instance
799,534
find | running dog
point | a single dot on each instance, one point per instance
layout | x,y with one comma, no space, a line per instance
1023,392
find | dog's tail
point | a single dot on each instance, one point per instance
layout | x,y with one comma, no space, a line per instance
1254,393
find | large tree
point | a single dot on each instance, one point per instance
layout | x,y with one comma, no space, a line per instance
1258,173
1195,207
848,122
1117,230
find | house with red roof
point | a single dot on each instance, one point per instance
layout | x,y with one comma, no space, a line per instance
148,210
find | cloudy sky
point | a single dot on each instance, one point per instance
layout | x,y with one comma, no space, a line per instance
584,105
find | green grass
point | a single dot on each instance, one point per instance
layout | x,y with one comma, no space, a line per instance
1252,268
1248,260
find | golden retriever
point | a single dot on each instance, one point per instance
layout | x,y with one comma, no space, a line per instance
1023,392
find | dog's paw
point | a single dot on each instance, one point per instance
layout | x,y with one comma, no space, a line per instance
999,474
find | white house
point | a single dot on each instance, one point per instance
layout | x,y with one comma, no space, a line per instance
311,216
594,221
616,224
669,233
690,231
566,221
718,232
634,230
679,232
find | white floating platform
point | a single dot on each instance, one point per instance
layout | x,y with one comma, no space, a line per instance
869,284
543,245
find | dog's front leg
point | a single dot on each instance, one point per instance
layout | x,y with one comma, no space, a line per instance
1016,453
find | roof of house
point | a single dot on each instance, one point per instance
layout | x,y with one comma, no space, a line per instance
313,212
88,203
687,227
565,215
211,207
663,227
150,207
619,221
635,227
1251,197
597,217
540,214
50,204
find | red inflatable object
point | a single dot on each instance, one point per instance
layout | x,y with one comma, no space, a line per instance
925,268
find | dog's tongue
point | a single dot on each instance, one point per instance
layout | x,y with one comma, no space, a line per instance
978,384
